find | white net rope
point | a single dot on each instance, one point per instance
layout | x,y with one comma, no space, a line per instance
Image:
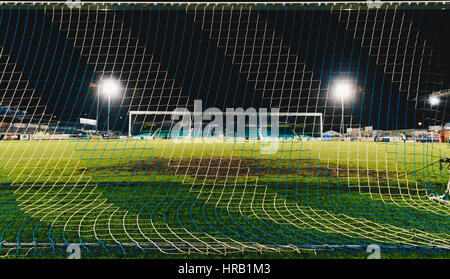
124,185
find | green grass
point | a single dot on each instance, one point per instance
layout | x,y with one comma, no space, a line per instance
307,194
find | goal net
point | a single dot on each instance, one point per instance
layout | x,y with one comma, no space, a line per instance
231,125
338,140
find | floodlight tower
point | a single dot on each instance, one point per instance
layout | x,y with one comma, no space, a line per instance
110,88
343,90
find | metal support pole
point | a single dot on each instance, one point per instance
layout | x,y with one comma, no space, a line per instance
96,115
342,118
129,124
109,107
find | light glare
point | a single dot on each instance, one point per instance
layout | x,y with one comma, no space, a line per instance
109,87
434,100
343,89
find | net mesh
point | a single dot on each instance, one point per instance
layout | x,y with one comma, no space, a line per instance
368,172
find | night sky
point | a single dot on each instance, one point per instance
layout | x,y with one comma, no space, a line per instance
279,56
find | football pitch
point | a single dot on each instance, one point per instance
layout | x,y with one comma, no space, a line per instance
168,198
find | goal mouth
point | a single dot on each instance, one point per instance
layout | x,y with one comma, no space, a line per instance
229,125
224,128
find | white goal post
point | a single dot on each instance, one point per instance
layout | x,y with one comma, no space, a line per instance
135,112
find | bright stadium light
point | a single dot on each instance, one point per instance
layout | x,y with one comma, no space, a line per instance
343,89
110,88
434,100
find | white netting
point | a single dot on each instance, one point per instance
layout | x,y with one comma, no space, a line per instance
80,166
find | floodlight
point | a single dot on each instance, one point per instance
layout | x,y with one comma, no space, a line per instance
109,87
343,89
434,100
